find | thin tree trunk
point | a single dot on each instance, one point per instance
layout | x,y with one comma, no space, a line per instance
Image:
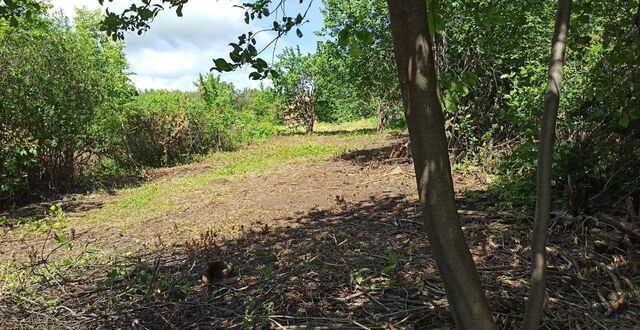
535,303
425,120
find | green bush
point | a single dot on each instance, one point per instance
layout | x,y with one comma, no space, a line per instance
162,128
56,81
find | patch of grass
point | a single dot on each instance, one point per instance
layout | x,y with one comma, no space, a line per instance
56,220
357,125
140,204
514,191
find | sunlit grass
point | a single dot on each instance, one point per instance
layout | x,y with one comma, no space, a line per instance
360,126
174,193
153,199
351,126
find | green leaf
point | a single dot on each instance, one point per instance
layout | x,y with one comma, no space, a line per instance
355,51
146,14
252,50
255,76
470,78
260,63
343,37
365,37
624,120
299,33
266,272
60,238
222,65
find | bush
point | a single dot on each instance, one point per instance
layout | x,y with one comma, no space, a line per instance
162,128
56,82
67,108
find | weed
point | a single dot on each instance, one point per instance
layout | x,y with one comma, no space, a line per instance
268,307
266,272
358,276
393,264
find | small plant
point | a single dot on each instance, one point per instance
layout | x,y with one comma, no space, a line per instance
266,272
357,277
249,311
268,307
393,264
55,221
111,167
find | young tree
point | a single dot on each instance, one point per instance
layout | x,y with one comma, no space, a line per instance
297,82
425,120
535,304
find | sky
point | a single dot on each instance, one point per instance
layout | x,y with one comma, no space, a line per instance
177,49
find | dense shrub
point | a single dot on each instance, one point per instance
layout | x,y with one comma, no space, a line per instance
597,136
159,128
67,108
56,81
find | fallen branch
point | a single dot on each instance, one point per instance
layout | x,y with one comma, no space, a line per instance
624,227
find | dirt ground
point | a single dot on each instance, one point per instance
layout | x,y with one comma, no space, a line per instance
333,243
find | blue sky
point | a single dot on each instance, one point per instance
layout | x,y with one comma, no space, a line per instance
171,55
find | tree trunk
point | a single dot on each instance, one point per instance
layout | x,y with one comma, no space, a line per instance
425,120
380,118
535,303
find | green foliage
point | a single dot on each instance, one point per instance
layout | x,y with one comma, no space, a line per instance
162,128
66,98
57,82
266,272
296,82
159,128
493,84
16,12
597,139
264,103
357,277
356,72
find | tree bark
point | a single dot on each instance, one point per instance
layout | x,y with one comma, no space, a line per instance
535,303
425,120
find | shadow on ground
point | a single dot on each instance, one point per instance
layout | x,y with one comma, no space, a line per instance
38,208
362,265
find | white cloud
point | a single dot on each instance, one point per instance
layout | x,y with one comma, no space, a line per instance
177,49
